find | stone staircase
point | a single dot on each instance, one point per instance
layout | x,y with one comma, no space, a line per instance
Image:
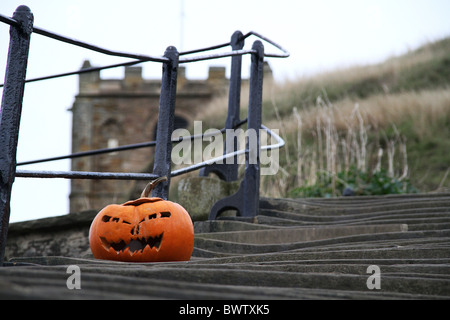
294,249
326,245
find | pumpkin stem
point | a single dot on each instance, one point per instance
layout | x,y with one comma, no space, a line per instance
149,188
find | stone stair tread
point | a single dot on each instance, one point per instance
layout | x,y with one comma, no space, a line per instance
297,234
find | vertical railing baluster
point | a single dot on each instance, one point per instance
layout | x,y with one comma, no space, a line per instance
252,157
246,199
10,112
163,161
228,171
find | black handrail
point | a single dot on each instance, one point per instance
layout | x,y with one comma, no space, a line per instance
142,176
82,44
123,148
142,58
81,71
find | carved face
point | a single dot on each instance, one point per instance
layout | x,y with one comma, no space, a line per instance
143,230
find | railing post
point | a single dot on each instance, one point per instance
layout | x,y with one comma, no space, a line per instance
163,161
10,112
229,171
252,157
246,199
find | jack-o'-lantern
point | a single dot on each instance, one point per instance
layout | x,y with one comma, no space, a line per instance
143,230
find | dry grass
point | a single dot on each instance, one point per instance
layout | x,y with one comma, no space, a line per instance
331,137
364,133
394,115
424,109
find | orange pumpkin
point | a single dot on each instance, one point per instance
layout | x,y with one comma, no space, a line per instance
143,230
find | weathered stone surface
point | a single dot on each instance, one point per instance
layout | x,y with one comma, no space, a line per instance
291,235
268,257
56,236
198,194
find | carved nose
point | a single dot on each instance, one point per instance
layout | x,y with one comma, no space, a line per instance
135,230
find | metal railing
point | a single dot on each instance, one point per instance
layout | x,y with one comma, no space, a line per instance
245,201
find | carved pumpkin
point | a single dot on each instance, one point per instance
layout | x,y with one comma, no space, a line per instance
143,230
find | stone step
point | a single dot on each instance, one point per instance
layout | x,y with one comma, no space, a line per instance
331,217
291,235
229,247
238,280
354,205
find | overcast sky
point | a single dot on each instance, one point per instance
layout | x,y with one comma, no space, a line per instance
321,35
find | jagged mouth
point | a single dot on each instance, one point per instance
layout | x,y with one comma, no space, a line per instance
134,246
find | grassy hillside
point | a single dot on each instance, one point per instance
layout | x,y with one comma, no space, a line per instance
380,128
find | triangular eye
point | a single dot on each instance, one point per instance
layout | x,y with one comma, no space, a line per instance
165,214
106,218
